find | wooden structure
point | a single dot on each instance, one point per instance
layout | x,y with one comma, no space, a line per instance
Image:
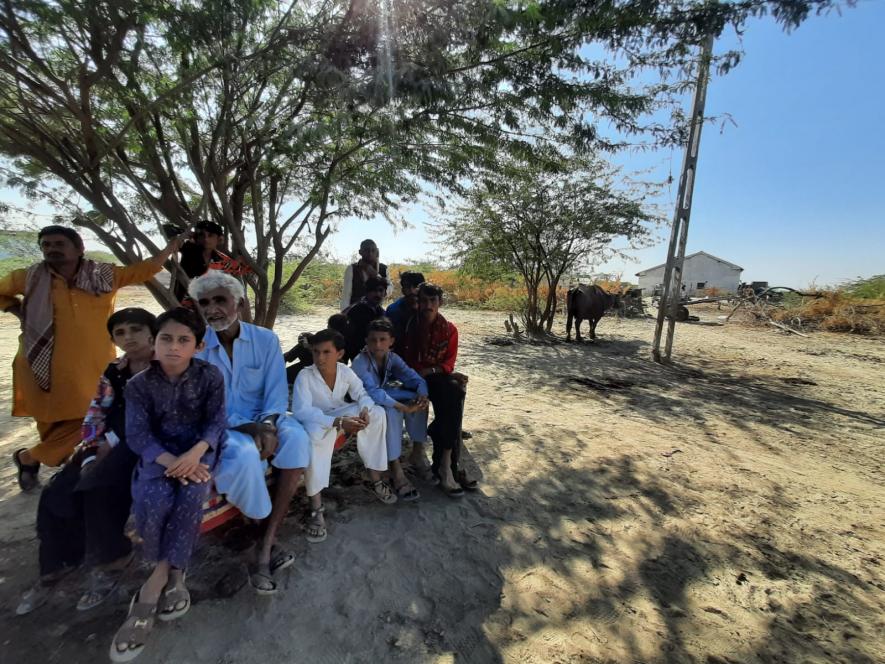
669,306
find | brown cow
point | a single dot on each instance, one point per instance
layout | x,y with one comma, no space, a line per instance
590,303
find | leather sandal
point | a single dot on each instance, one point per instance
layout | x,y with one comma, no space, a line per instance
27,474
316,527
466,483
133,633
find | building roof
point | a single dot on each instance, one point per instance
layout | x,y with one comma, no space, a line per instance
697,253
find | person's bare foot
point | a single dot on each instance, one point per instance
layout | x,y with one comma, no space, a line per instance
418,461
448,484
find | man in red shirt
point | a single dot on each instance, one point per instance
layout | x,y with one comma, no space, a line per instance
430,347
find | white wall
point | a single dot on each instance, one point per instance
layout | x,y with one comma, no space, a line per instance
697,269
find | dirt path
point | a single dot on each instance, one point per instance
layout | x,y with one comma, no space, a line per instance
725,510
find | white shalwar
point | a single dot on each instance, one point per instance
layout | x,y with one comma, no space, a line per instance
316,407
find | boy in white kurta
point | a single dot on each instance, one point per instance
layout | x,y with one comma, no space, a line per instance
318,403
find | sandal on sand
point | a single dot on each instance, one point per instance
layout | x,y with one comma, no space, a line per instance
280,559
261,579
466,483
133,633
383,492
451,491
316,528
175,601
102,584
38,594
33,598
27,474
407,492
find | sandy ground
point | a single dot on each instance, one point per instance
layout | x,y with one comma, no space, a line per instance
728,509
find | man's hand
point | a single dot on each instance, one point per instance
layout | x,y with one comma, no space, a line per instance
173,247
352,424
461,378
15,310
267,440
364,416
188,463
421,403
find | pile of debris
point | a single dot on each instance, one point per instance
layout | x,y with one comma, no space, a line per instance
796,312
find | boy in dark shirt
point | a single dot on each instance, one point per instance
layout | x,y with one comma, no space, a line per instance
83,510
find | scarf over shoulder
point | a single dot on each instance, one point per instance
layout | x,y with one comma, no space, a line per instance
37,313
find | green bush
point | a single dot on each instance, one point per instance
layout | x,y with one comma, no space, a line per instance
320,283
867,289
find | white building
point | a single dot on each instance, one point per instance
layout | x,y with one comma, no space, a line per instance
700,271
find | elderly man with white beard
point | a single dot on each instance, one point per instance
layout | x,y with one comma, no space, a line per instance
259,430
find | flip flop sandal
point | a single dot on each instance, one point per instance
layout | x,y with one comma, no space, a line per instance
407,492
27,473
261,580
35,597
38,594
174,603
316,529
383,492
452,492
280,559
101,585
466,483
135,630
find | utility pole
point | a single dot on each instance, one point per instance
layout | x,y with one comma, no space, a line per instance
669,304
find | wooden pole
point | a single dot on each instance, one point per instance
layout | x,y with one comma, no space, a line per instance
670,297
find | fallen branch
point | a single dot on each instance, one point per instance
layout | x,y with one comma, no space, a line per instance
786,328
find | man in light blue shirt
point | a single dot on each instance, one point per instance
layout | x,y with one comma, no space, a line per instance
256,394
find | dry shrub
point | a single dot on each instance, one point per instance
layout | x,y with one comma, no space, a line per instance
712,292
613,286
835,311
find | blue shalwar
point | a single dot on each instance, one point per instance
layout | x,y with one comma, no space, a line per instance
255,389
377,381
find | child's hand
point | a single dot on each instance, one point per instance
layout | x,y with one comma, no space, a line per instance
421,403
200,475
187,463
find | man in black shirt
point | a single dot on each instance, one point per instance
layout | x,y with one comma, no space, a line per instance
202,254
357,274
362,313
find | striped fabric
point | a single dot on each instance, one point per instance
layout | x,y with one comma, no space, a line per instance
37,314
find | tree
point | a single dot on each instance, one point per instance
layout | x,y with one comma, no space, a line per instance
544,220
278,120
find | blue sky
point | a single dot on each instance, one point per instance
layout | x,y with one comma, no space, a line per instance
795,192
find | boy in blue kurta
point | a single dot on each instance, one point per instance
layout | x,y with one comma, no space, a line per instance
175,422
402,393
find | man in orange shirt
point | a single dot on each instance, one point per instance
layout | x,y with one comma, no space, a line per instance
64,346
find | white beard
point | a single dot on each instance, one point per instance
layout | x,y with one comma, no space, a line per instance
222,325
